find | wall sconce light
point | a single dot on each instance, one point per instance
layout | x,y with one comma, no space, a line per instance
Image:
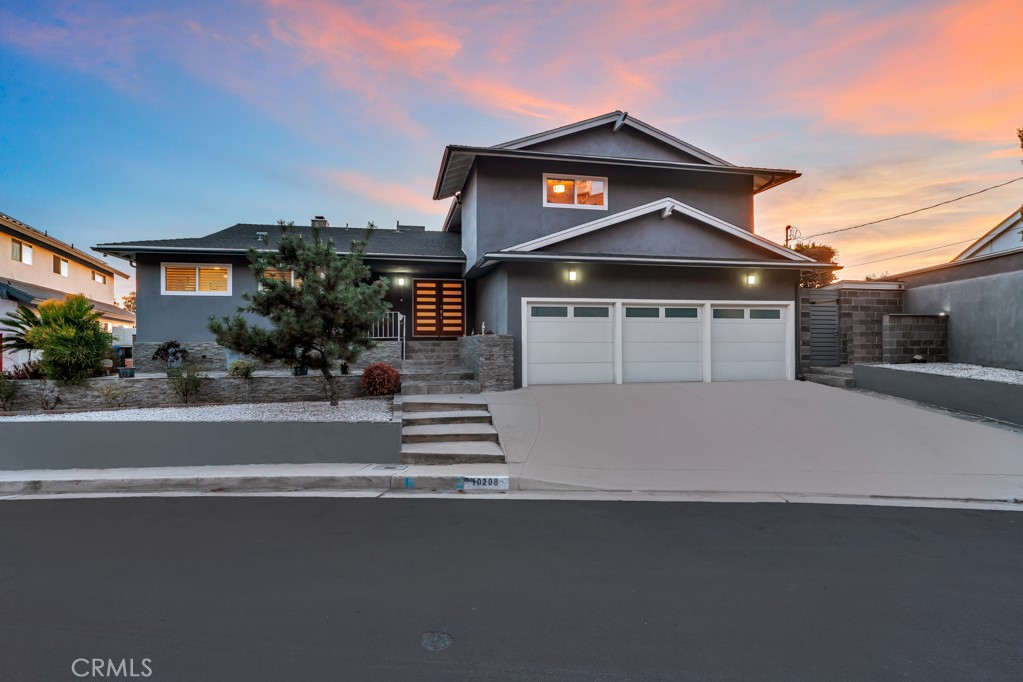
751,280
942,314
401,281
572,275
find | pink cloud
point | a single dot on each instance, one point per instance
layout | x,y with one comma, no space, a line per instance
389,192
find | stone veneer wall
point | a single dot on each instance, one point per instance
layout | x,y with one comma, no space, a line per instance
909,335
491,358
211,357
860,315
157,391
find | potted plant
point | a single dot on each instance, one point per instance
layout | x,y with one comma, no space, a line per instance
172,354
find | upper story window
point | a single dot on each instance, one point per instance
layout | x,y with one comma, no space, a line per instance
99,277
574,191
183,279
60,266
21,252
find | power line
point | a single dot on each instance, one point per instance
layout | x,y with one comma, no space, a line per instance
943,246
925,208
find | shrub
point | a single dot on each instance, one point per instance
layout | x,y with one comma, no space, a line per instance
49,396
28,370
8,392
171,353
114,395
241,369
71,338
187,384
380,378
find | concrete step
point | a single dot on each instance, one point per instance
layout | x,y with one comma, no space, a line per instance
831,380
842,371
463,452
438,387
435,374
423,417
448,433
444,403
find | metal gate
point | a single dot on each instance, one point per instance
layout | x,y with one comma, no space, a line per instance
824,335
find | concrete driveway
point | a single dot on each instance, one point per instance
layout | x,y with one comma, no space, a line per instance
778,437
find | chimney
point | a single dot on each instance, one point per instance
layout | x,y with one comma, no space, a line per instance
320,221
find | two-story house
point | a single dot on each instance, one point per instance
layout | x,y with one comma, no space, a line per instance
35,267
610,250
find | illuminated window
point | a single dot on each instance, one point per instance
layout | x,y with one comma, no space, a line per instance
282,275
575,191
196,280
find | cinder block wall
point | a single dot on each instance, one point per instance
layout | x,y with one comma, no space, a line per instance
909,335
860,321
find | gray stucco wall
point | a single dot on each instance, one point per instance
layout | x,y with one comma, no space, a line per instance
509,198
105,445
550,280
652,235
468,227
626,143
491,301
984,302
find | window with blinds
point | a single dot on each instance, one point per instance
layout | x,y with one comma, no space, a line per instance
209,280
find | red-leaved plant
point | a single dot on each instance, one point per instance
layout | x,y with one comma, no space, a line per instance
380,378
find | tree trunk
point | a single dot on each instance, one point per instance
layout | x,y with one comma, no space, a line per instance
330,385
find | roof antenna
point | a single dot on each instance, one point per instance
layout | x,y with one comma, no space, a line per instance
622,115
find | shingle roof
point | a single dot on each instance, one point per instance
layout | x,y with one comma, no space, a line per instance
241,237
35,294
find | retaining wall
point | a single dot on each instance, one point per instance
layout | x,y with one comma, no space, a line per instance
491,358
906,336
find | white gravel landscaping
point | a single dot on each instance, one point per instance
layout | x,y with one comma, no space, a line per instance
955,369
369,410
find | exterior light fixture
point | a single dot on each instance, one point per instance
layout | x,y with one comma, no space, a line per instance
751,280
401,281
559,189
942,314
572,275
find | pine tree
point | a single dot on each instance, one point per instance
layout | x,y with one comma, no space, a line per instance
319,318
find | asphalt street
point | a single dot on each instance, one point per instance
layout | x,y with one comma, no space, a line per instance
430,589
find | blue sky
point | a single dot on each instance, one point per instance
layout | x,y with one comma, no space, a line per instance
127,120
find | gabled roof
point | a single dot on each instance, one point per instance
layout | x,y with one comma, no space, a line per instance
619,119
409,244
33,294
1010,223
666,207
56,245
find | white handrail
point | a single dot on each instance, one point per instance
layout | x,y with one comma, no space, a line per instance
390,326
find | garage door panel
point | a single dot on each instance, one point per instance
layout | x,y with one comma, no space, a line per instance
571,330
748,331
748,352
658,331
571,373
661,352
570,352
634,372
748,371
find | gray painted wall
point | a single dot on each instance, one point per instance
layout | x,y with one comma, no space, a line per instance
491,301
528,280
626,143
652,235
468,227
985,316
106,445
508,196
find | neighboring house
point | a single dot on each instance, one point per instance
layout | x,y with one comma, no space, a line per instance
34,267
609,250
981,292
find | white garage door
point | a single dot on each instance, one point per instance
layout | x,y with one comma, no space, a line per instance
748,343
662,343
570,344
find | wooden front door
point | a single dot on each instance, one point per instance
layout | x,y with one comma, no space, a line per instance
439,307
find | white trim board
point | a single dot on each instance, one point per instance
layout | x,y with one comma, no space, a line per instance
666,205
1013,221
789,308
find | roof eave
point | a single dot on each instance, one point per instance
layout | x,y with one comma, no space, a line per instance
655,260
129,251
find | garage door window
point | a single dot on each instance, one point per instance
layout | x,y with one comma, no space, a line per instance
729,313
588,311
642,312
680,312
549,311
759,314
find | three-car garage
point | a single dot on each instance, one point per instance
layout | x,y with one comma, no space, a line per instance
627,341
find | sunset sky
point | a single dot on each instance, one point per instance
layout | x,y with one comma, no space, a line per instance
137,120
